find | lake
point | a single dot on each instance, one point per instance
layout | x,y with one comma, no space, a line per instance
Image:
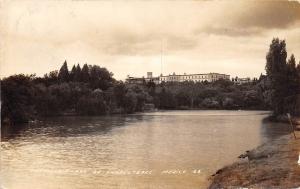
165,149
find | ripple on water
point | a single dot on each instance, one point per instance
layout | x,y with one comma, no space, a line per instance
75,152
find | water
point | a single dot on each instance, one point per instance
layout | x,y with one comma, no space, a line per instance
171,149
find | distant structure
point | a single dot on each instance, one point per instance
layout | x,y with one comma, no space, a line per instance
141,80
149,74
239,81
209,77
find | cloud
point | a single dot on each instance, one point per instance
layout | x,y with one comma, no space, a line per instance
245,18
201,35
268,14
131,43
231,31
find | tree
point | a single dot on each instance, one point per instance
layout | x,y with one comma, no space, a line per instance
73,73
77,75
276,69
51,78
251,98
46,103
183,99
166,100
141,96
63,74
119,92
17,98
100,77
261,77
85,73
298,73
130,101
92,104
151,88
95,76
292,76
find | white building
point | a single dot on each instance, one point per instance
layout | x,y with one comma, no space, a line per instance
209,77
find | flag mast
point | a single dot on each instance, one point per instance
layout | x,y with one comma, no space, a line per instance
161,57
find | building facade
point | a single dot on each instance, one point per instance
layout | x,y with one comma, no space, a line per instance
209,77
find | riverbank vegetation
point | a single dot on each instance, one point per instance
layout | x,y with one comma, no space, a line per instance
92,90
283,76
274,164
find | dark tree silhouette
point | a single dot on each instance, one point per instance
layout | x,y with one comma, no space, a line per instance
276,69
17,98
85,76
283,79
63,74
77,75
293,85
73,73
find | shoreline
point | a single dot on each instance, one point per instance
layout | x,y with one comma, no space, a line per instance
68,113
273,164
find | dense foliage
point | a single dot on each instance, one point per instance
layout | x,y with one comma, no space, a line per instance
91,90
222,94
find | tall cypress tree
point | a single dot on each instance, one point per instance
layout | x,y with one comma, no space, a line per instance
77,75
276,69
298,76
72,73
85,73
292,76
63,74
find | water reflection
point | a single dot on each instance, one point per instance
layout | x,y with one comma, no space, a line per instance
69,126
9,131
272,130
69,151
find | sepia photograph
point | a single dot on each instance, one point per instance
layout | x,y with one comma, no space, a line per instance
150,94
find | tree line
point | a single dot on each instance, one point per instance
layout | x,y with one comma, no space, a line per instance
92,90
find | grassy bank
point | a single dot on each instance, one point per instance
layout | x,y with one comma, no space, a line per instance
271,165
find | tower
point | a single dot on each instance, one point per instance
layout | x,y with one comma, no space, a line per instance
149,74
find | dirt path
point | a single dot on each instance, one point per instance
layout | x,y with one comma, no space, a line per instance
271,165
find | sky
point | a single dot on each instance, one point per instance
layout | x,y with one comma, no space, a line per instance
136,37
